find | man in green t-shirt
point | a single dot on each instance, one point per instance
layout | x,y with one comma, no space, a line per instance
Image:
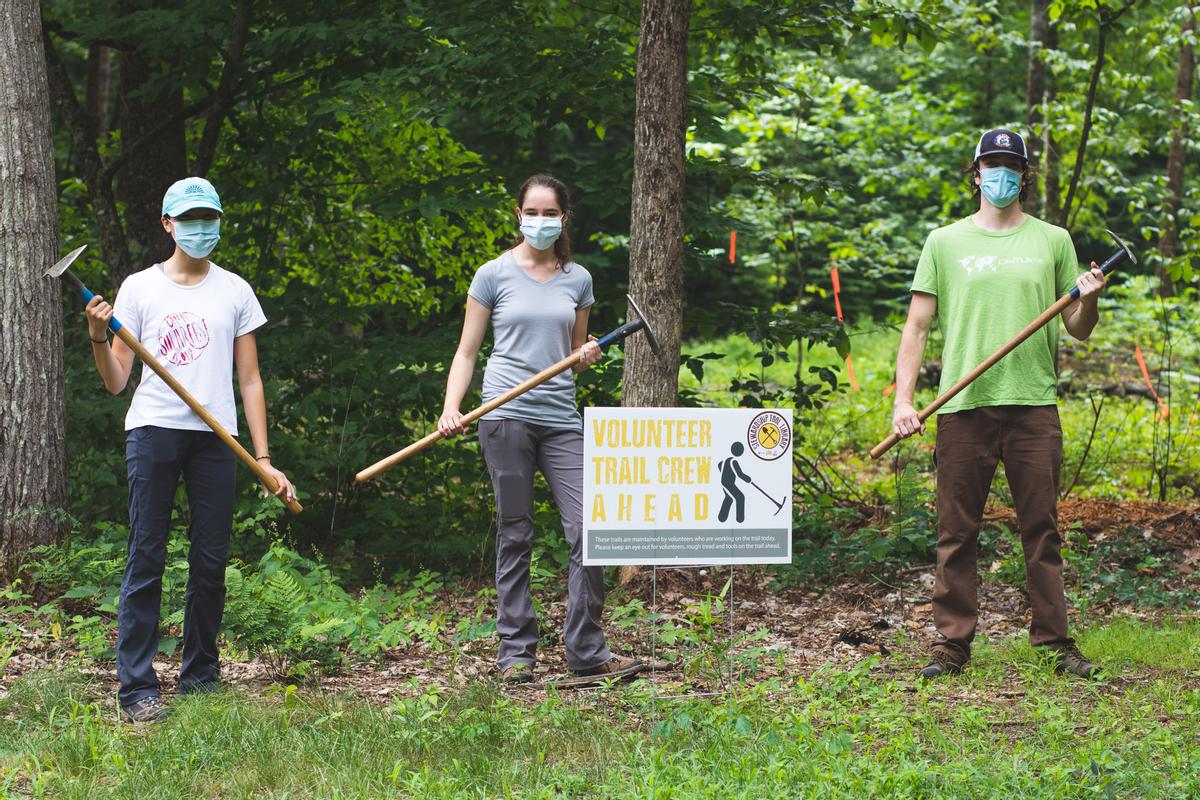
985,278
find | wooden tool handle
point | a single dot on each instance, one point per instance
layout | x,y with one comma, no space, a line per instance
209,420
471,416
970,377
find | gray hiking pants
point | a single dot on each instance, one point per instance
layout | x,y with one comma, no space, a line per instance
513,449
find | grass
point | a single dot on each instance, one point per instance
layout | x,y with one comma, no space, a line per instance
1007,727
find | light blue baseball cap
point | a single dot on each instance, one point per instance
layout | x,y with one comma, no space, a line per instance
190,193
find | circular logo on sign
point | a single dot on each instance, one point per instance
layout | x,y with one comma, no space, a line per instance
182,338
1003,141
769,436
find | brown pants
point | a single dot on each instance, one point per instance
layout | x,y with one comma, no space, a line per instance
1028,439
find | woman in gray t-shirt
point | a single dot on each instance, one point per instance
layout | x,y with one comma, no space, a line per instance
538,301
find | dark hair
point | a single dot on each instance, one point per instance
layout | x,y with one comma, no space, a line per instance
1028,177
562,245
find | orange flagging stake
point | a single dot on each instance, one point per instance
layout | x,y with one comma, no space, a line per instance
837,291
1163,410
732,246
837,304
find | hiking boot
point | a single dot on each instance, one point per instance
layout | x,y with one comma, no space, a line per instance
615,667
517,674
148,709
1068,659
942,663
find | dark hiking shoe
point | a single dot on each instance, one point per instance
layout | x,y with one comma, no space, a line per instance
942,663
615,667
517,674
148,709
1068,659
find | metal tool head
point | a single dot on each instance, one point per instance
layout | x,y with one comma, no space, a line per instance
1128,253
64,263
649,329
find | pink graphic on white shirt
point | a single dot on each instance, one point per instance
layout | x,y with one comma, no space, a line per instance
182,338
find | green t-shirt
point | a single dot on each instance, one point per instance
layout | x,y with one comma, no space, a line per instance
989,285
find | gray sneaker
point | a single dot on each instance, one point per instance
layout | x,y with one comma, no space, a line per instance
1068,659
148,709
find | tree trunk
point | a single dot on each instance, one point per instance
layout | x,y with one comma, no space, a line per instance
1106,21
1035,87
1176,157
656,213
98,75
1064,213
223,99
33,491
1049,146
987,88
113,247
161,160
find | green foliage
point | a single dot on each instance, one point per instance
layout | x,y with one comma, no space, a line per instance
367,163
1125,567
289,609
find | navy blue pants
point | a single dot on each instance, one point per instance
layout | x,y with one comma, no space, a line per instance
155,458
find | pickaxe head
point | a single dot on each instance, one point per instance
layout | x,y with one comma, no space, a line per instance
650,337
1124,248
64,263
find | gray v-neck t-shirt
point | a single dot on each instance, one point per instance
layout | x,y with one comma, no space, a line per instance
531,330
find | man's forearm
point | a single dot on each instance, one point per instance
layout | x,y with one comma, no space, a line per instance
908,361
1081,317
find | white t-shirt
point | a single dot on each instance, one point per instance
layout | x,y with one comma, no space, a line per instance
190,330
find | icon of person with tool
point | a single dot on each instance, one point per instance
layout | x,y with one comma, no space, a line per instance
730,472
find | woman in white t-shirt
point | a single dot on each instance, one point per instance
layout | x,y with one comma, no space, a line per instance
537,301
199,320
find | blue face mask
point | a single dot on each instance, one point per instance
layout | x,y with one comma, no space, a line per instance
999,185
541,232
197,237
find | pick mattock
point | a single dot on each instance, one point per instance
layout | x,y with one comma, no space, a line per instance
63,268
638,323
778,504
1123,252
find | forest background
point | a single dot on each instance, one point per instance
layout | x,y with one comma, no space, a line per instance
367,154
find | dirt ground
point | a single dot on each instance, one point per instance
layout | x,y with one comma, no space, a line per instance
792,630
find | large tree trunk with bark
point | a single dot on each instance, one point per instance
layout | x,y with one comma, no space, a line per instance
656,213
33,490
1168,242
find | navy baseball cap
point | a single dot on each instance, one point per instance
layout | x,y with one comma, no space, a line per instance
1001,140
190,193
